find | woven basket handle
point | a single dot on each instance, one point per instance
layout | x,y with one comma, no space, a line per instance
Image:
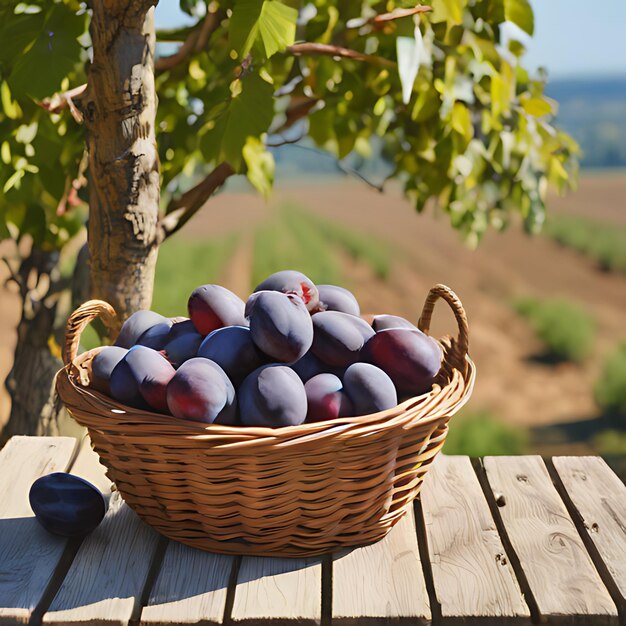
441,291
79,319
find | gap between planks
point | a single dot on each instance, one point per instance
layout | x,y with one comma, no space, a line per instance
472,576
584,503
556,564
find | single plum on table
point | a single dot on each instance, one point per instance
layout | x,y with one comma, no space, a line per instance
369,389
213,306
290,281
409,357
201,391
280,325
339,337
335,298
142,377
67,505
272,396
383,322
326,398
102,366
136,325
234,351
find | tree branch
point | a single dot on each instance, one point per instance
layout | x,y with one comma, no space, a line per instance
195,42
60,101
13,276
342,167
398,13
180,210
379,21
284,142
322,49
297,109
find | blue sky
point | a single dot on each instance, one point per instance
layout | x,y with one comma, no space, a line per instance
572,37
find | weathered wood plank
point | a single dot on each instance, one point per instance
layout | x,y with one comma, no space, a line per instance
279,591
558,568
600,498
108,574
191,588
28,554
382,583
472,576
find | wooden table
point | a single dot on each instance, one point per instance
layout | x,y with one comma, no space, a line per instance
502,540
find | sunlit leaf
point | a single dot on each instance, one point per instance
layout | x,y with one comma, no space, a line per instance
271,21
520,13
410,52
260,166
249,114
461,120
536,106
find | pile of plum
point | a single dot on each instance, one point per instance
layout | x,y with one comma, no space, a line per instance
294,352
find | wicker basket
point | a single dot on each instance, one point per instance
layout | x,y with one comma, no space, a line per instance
293,491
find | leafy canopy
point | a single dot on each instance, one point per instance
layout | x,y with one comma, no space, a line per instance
451,113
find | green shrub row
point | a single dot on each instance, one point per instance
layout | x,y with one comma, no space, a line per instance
603,242
183,265
370,249
566,330
286,243
481,434
610,388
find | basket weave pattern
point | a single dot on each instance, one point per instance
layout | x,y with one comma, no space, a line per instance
293,491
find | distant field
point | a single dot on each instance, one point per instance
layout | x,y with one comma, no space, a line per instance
601,241
514,385
377,246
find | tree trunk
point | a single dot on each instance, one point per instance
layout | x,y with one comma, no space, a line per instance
34,410
119,109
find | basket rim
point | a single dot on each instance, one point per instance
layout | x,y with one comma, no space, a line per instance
442,398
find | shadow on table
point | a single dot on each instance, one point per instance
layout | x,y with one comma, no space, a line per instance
122,561
29,557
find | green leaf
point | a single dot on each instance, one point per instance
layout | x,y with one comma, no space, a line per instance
4,231
500,94
450,11
13,181
55,51
17,33
520,13
249,114
277,26
271,21
10,108
260,164
536,106
461,121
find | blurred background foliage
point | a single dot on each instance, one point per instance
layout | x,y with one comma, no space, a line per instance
440,103
472,128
